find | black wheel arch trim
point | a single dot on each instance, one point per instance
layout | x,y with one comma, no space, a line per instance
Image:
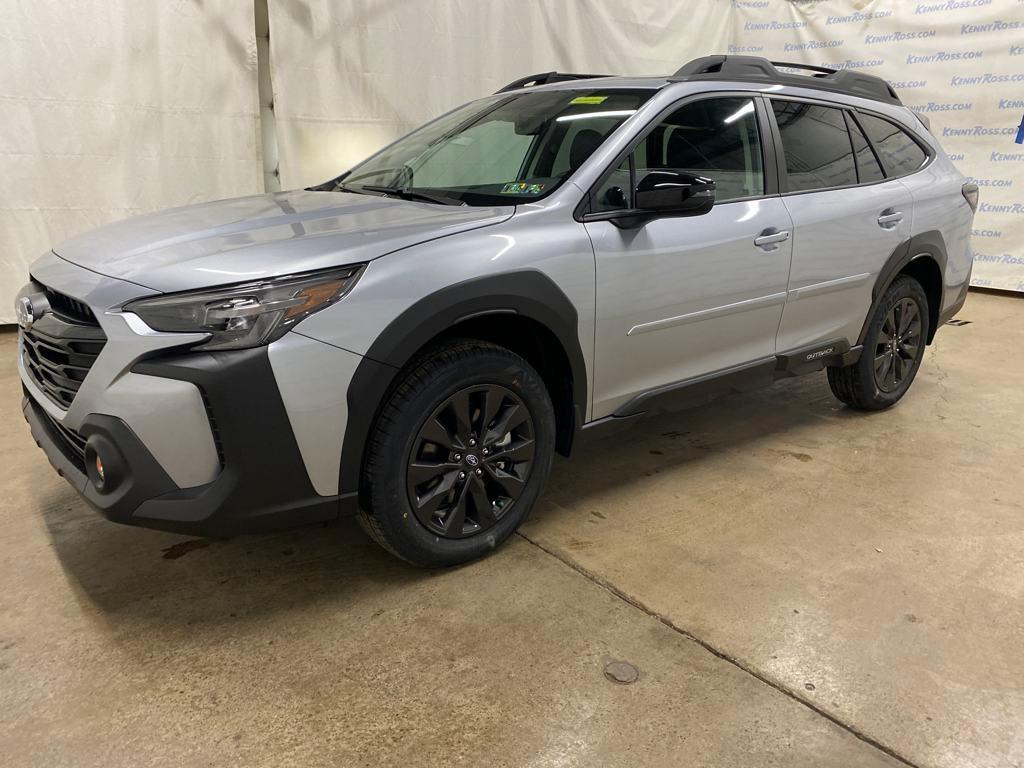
928,244
528,293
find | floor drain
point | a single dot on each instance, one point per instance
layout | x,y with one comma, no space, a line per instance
621,672
958,322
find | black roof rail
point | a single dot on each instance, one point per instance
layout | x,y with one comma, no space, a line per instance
848,81
544,78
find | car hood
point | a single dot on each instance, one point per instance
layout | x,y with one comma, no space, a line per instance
249,238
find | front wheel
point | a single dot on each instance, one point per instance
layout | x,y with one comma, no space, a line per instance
458,456
893,349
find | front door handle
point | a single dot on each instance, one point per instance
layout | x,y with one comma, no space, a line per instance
769,239
889,218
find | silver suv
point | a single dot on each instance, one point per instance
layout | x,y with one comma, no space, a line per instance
412,341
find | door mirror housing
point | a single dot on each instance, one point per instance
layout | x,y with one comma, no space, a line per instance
675,193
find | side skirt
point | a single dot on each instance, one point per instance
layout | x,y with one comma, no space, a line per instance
744,378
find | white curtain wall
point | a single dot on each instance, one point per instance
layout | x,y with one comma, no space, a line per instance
115,108
112,108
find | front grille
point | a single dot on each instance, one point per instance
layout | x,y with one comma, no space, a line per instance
70,308
61,346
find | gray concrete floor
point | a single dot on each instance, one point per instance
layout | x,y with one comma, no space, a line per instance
798,584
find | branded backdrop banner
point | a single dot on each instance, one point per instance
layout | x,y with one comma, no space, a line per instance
960,63
351,75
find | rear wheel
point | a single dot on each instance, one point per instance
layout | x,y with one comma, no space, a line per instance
893,349
458,456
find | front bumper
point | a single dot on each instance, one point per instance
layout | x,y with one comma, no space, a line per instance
200,443
262,484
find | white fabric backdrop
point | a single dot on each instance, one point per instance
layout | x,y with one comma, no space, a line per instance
115,107
351,75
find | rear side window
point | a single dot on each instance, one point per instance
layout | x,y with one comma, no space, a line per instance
868,169
816,145
899,153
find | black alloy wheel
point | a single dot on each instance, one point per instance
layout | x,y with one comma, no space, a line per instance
470,461
894,345
898,344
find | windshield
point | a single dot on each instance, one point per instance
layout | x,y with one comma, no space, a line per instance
501,150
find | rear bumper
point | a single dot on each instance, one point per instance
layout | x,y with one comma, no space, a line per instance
262,484
949,312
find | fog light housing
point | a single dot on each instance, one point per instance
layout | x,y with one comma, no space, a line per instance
104,464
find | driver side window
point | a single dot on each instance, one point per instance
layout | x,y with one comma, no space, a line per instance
715,138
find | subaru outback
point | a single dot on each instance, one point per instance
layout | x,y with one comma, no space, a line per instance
412,341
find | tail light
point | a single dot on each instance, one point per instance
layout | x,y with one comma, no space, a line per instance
970,192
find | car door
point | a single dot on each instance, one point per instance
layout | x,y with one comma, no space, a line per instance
847,218
683,297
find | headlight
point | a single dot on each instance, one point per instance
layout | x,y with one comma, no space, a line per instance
246,315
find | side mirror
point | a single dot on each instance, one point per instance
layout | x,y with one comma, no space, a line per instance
675,193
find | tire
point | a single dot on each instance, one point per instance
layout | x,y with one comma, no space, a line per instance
421,467
884,372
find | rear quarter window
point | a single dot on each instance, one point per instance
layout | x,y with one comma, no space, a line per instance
816,145
899,153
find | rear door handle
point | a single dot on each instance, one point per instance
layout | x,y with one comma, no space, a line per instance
769,239
889,218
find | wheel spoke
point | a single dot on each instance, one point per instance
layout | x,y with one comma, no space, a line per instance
490,406
909,350
516,451
897,369
436,432
462,412
882,375
430,502
456,519
512,416
510,484
422,471
907,316
889,326
483,511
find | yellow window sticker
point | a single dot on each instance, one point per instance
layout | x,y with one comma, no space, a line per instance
589,100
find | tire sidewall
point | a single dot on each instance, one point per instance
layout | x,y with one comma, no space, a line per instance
387,494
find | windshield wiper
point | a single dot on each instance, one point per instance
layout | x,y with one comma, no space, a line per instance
411,194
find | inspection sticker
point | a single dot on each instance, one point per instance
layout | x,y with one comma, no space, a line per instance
589,100
522,188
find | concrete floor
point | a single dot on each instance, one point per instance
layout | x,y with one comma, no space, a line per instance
798,584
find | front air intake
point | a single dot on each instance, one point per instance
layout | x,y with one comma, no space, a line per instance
60,347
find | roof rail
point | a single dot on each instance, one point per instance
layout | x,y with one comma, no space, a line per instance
848,81
546,77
